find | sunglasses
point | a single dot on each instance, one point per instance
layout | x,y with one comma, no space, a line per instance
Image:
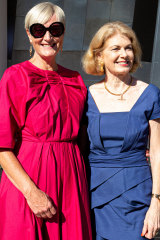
38,30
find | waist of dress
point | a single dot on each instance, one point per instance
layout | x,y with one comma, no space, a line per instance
38,140
132,158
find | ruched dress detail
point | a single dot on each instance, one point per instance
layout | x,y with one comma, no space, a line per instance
40,117
121,183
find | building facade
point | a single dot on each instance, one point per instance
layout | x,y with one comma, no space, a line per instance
83,18
3,36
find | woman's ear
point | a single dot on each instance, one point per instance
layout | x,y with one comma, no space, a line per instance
99,57
29,35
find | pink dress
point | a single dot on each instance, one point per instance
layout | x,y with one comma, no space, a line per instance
40,114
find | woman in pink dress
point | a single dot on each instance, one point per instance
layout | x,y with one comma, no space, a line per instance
43,189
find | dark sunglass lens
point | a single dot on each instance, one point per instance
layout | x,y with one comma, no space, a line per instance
37,30
57,29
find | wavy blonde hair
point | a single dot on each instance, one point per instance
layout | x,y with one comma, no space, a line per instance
42,12
97,45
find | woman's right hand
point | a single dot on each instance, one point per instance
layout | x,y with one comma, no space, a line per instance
40,203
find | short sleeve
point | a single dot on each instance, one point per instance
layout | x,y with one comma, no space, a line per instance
155,113
12,106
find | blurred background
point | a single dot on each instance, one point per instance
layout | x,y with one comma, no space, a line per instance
83,19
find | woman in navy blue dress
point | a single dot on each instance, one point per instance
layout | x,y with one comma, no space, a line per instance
123,114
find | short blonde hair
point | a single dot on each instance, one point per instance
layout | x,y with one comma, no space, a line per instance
42,12
97,45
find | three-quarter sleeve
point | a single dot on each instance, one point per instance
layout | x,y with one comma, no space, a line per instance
155,113
12,105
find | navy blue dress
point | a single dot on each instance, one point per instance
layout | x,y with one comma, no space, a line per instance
121,183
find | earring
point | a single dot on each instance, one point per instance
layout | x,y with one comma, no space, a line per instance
100,66
30,50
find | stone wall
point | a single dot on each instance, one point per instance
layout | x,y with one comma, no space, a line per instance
83,18
3,36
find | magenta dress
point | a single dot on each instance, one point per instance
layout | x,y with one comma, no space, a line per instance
40,114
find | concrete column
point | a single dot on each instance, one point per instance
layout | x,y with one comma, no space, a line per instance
3,36
155,70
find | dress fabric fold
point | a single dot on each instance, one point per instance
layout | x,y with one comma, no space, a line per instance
40,117
121,183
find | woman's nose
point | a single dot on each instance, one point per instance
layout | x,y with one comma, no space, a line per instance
47,35
123,52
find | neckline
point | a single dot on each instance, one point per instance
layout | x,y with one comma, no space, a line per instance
139,98
103,113
43,70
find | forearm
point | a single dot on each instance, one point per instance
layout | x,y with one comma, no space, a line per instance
155,154
152,218
155,168
15,172
37,200
152,222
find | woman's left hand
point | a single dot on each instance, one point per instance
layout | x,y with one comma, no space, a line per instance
152,220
